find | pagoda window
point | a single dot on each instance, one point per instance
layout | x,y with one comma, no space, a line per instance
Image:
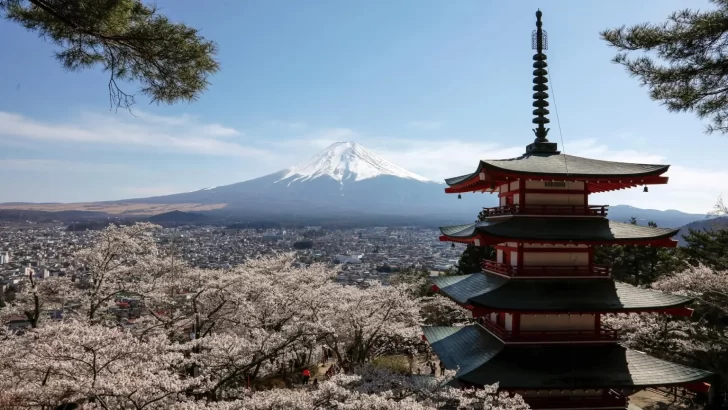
557,322
499,255
538,198
555,185
555,259
539,192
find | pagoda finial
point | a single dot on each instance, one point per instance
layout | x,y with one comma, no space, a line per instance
539,42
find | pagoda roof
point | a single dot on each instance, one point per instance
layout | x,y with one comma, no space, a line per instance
562,167
552,229
482,359
493,292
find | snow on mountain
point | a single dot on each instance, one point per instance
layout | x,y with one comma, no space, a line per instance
346,161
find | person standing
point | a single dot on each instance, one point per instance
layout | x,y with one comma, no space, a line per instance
306,376
442,369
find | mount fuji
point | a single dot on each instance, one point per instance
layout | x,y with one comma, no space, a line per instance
344,180
345,183
347,161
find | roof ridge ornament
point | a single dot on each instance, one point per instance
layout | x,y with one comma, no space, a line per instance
539,42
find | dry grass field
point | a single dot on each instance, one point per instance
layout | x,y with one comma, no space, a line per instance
119,208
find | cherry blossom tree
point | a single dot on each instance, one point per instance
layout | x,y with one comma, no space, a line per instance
371,321
369,388
205,337
261,315
701,340
74,362
701,282
35,297
122,260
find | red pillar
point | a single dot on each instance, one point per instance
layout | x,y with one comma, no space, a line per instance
521,193
519,262
590,257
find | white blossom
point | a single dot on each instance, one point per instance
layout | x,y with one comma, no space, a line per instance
205,337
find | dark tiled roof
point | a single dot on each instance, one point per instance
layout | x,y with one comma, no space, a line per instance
553,295
456,180
461,288
565,228
481,359
557,164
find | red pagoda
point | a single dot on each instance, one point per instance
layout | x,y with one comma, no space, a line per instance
538,306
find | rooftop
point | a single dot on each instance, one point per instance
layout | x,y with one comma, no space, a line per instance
481,359
555,229
495,292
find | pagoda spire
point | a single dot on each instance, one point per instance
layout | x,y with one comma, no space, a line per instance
539,41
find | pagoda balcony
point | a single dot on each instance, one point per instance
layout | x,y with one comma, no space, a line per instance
601,334
593,271
517,209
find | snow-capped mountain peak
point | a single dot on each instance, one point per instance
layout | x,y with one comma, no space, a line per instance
347,161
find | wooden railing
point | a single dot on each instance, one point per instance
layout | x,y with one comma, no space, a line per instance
545,271
589,210
594,335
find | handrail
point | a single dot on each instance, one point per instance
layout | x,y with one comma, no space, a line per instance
545,271
589,210
600,334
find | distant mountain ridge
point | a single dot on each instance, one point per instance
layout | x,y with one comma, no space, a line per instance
344,182
343,179
666,219
704,224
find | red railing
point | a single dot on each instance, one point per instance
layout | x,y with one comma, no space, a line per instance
591,210
601,334
545,271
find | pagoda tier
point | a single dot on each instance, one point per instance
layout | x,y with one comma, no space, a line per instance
557,230
482,359
485,293
595,175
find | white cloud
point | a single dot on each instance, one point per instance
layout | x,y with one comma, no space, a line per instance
185,134
53,165
426,125
439,159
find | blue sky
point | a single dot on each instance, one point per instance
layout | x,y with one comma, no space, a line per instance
430,85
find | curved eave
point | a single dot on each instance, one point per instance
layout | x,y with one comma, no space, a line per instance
486,240
674,309
658,170
484,293
483,360
487,175
479,234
